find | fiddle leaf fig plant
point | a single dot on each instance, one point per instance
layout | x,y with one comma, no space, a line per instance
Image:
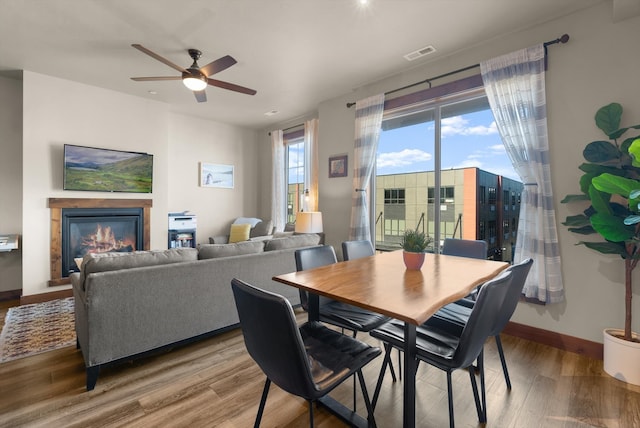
611,183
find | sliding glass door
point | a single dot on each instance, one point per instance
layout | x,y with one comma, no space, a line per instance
442,168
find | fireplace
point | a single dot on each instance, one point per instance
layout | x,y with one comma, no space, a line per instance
98,230
82,226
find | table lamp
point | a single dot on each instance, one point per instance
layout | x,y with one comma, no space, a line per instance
308,222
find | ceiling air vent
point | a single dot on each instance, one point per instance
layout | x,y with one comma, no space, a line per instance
420,53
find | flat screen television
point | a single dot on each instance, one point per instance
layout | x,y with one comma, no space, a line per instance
106,170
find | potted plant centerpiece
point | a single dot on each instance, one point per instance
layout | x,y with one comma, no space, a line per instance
414,243
611,183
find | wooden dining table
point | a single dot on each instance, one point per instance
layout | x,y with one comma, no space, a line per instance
382,284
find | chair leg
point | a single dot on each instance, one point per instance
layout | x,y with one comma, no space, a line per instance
474,388
363,386
385,361
355,332
483,388
503,361
263,401
450,396
310,414
393,372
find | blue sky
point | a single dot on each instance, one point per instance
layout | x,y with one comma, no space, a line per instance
469,140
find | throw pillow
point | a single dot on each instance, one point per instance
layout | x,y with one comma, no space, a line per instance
214,251
262,228
239,233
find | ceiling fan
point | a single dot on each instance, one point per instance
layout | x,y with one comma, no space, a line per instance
195,77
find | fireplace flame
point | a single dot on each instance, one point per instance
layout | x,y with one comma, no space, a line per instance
104,240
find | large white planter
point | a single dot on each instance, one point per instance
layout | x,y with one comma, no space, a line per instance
621,357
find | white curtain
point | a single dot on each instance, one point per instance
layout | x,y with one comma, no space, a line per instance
515,87
278,183
311,164
368,122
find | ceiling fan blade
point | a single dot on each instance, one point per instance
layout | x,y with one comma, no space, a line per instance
158,57
218,65
201,96
231,86
153,79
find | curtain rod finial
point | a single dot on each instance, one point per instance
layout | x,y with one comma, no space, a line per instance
349,105
564,38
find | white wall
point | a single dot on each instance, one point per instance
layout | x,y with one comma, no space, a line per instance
192,141
10,178
597,66
58,111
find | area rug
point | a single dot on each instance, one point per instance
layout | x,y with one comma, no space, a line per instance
40,327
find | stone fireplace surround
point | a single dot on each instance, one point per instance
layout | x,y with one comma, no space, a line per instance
57,204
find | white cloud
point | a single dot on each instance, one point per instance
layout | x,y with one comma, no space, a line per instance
457,125
467,163
402,158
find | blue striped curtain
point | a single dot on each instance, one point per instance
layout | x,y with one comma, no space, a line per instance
368,123
515,87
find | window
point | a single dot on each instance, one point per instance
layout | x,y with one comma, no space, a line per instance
444,152
393,196
492,195
294,163
446,195
394,227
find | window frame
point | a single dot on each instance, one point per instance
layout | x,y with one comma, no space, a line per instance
291,138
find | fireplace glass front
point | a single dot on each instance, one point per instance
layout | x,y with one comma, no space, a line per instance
96,230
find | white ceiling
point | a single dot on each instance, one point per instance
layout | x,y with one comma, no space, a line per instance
295,53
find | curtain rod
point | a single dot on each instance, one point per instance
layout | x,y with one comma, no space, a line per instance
289,128
562,39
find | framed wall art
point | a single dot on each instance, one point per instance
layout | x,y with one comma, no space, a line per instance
338,166
216,175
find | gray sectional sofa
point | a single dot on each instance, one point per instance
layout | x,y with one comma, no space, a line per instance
129,304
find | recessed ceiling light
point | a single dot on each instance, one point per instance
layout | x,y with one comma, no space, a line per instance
153,92
271,113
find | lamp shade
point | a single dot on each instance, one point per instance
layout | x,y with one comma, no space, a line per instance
309,222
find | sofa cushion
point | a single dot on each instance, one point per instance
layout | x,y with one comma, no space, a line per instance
103,262
239,232
262,228
213,251
295,241
247,220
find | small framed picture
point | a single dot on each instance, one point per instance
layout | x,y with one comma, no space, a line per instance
338,166
216,175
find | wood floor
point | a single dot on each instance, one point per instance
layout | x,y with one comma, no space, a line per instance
214,383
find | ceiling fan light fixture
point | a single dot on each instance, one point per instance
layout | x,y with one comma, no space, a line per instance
194,81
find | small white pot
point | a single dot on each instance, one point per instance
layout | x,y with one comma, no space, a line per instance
621,357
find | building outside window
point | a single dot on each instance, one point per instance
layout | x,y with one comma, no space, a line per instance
447,146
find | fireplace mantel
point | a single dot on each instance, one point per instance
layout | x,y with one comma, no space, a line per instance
57,204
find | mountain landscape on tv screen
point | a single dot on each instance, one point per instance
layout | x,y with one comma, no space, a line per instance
107,171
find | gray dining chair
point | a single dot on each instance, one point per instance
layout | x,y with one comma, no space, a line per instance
307,361
454,316
449,351
340,314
